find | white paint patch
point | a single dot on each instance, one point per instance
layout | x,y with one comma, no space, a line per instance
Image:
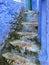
17,0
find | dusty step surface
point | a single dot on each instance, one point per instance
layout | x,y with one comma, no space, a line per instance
26,45
29,28
30,23
17,59
33,12
27,34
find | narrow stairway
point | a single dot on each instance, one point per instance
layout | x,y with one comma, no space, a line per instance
26,49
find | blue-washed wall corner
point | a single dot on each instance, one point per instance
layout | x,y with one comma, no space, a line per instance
7,9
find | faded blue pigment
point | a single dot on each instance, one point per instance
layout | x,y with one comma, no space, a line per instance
7,9
42,32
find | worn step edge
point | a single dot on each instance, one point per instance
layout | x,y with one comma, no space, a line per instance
26,45
30,23
27,33
33,12
17,59
30,31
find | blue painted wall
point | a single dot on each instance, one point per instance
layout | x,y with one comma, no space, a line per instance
7,9
35,4
47,31
39,20
43,32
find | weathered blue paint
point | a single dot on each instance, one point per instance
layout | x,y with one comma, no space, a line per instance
34,4
7,9
43,33
39,20
48,31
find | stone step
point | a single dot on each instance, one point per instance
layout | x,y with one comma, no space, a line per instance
30,23
33,12
30,31
17,60
27,33
32,26
30,46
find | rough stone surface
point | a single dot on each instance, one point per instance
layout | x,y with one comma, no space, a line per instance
7,9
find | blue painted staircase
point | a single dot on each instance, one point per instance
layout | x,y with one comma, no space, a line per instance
27,49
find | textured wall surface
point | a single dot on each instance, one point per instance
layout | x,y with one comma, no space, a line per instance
7,9
47,31
43,33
